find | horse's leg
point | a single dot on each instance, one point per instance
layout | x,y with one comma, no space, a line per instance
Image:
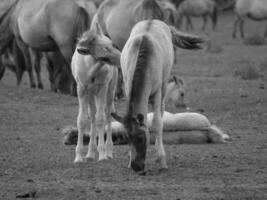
19,62
242,28
66,51
190,23
265,32
26,54
204,21
237,20
92,148
82,121
157,126
50,69
36,59
100,121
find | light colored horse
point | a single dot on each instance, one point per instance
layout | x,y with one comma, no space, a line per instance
198,8
93,69
42,25
146,62
256,10
117,17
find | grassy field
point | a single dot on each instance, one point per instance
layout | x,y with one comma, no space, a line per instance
227,79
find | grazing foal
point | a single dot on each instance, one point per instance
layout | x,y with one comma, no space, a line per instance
93,69
146,61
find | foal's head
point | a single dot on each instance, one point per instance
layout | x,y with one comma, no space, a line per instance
175,92
100,47
136,133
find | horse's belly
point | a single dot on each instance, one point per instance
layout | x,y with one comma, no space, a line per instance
33,32
258,12
119,28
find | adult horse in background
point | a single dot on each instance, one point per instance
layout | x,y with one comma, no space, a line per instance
117,17
50,25
146,61
255,10
197,8
93,67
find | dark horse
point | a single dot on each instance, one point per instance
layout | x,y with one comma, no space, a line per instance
43,25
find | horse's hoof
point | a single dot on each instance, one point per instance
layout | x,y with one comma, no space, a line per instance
40,86
33,86
78,160
163,170
90,157
101,158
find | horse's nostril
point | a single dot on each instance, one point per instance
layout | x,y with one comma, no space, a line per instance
182,94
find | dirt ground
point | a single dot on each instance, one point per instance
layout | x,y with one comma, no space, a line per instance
33,158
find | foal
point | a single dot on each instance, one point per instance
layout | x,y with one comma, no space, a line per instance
146,61
93,69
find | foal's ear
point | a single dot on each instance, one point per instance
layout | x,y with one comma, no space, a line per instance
117,117
99,29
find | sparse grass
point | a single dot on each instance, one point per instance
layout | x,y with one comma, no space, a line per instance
247,70
213,47
255,40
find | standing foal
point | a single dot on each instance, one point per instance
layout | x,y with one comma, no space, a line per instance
93,69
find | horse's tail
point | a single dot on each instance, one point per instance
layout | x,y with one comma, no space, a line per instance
6,36
82,21
184,40
216,135
214,16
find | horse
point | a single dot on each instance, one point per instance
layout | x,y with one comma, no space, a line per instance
255,10
117,17
146,63
41,25
93,67
198,8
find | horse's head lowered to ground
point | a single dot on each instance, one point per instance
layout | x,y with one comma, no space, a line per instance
137,138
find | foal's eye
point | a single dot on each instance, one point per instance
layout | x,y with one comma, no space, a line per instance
105,49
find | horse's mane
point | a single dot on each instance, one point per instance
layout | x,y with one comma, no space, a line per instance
140,71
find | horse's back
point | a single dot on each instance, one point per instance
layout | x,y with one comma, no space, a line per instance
159,51
157,30
39,20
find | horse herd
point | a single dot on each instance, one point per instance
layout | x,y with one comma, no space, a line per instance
88,48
